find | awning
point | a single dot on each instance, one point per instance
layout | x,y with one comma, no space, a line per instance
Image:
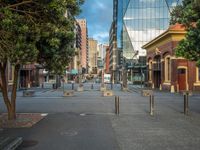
74,71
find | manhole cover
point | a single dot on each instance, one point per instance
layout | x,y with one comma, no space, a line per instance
28,143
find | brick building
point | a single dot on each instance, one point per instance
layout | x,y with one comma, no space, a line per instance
92,53
165,70
107,61
84,43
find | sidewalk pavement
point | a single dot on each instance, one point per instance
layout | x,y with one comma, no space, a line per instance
87,122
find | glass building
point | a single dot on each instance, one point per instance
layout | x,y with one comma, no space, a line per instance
139,21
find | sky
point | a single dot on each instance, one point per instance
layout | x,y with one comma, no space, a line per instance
98,14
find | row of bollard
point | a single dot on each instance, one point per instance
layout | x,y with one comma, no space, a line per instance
186,103
151,102
151,105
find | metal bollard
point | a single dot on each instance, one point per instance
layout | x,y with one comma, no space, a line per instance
117,105
72,86
151,98
186,105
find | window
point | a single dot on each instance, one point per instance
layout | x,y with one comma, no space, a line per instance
167,69
150,70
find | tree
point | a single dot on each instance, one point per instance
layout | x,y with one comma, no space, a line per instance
188,14
35,31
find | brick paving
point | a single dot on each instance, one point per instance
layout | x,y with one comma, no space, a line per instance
23,120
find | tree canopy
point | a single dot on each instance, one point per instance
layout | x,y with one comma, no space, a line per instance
35,31
188,14
38,31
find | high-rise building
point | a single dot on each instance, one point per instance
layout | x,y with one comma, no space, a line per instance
114,51
142,20
84,43
93,55
75,65
137,23
102,50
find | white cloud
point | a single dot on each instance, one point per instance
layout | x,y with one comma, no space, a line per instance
100,5
100,36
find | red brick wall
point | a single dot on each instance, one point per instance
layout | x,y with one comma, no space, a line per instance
168,48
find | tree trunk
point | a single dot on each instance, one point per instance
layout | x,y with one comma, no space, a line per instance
14,92
4,86
10,105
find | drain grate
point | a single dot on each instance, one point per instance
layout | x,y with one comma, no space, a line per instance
28,143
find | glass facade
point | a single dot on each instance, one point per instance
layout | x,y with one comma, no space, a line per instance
140,22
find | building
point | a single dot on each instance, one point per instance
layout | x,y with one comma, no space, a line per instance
143,21
102,50
107,61
93,55
114,61
30,75
74,67
165,70
138,22
84,44
114,46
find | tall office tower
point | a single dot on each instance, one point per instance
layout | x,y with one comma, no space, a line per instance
84,43
102,50
114,54
140,22
92,55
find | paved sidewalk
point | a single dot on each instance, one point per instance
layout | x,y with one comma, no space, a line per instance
87,122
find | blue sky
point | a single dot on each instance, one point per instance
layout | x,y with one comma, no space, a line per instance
99,18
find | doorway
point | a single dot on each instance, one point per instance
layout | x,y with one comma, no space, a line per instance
157,78
182,79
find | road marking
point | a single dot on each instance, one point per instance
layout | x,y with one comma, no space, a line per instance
82,114
44,114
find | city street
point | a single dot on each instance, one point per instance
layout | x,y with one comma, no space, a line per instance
87,121
59,61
